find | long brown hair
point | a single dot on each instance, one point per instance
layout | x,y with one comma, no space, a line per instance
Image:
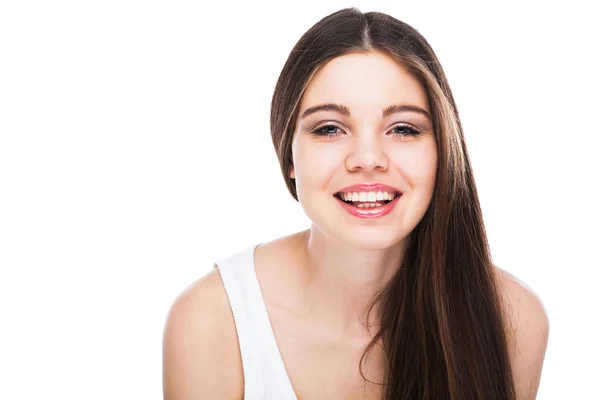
441,315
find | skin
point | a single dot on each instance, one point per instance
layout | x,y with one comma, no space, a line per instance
348,259
316,299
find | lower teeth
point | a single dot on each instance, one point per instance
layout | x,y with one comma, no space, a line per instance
367,205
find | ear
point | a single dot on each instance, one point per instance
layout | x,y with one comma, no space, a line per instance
292,173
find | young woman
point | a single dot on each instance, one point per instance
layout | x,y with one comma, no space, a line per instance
391,293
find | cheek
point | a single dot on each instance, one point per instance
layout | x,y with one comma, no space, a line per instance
315,165
418,166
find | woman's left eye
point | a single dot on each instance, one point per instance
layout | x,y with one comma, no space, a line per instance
330,130
405,130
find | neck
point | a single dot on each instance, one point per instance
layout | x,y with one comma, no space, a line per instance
339,283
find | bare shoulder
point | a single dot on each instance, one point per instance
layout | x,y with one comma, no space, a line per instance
201,357
528,330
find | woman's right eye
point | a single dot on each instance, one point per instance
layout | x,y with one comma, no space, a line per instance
328,130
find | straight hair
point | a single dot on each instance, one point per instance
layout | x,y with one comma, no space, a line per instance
441,314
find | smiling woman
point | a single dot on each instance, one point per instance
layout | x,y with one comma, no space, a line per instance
391,292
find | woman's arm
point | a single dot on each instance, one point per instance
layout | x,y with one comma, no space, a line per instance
528,338
201,359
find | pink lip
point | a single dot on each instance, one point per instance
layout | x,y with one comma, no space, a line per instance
370,212
370,187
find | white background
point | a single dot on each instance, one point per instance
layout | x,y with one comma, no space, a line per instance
135,150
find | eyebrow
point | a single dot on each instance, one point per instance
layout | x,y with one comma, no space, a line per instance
339,108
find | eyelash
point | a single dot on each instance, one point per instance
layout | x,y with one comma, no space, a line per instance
318,131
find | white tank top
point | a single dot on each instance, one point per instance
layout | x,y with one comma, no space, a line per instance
265,376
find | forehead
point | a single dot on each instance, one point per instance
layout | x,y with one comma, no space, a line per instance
364,80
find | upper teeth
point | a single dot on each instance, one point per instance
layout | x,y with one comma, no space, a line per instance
367,196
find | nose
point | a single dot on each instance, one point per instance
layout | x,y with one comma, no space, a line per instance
367,152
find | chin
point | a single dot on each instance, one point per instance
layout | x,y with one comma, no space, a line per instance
370,238
366,234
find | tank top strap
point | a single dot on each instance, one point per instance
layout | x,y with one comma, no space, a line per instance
265,376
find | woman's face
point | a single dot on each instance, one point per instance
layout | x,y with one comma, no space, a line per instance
369,143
